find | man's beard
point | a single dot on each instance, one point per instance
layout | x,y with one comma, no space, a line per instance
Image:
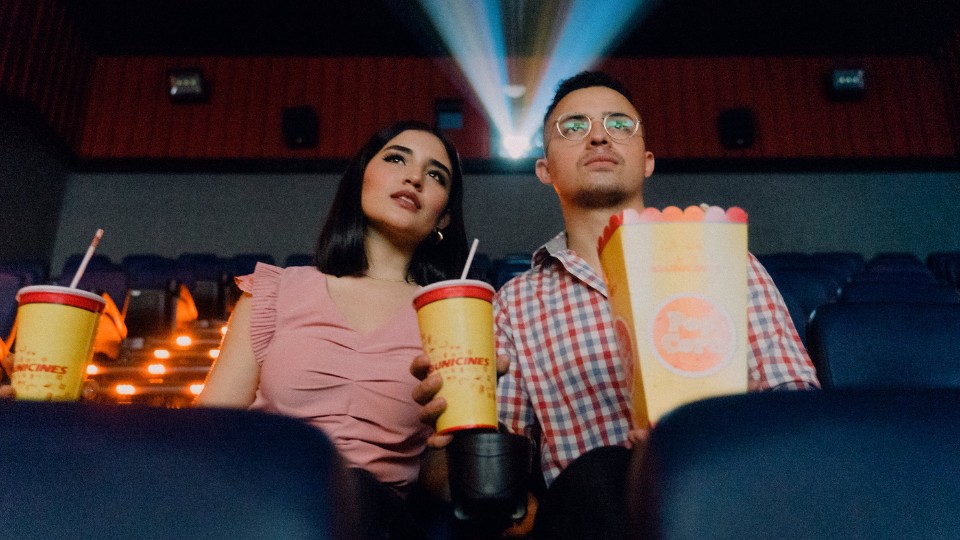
600,197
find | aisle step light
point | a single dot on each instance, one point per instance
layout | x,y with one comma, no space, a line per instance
156,369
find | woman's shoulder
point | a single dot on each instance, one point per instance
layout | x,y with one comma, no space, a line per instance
268,275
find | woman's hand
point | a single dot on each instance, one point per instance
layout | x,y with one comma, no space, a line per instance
425,394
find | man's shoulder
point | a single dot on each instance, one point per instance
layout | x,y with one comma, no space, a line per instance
520,281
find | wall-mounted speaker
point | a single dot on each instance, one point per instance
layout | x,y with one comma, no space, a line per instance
736,128
301,127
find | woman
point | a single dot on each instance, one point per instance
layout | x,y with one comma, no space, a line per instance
332,345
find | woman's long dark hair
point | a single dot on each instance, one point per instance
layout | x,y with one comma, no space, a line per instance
340,248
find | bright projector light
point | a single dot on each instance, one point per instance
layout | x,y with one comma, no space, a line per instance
514,91
516,146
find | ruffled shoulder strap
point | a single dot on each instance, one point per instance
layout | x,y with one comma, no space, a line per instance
264,285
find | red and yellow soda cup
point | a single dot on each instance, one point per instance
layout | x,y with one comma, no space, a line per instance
456,327
56,327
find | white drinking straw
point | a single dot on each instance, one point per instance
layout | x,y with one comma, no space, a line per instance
466,267
86,258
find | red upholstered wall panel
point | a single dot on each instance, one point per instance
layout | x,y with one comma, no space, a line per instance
117,107
904,113
44,63
949,60
130,116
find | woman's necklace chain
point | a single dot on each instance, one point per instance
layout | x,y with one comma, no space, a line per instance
405,280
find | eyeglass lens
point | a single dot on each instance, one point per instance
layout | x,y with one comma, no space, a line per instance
576,126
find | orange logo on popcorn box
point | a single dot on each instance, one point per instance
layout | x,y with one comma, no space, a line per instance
677,286
693,336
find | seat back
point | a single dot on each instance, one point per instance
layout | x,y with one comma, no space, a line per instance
244,263
34,271
298,259
87,470
864,463
886,344
506,268
811,288
946,266
10,283
890,291
103,279
97,261
205,275
150,271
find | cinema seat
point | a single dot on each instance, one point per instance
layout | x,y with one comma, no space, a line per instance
10,283
863,463
90,470
886,344
890,291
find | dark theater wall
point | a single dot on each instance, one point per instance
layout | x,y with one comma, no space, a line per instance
32,179
904,113
45,63
44,68
281,213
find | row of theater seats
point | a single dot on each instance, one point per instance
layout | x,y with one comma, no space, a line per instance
856,463
809,281
852,463
150,293
888,321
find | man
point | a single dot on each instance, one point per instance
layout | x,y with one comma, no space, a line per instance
566,387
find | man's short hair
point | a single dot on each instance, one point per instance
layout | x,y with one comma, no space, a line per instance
584,79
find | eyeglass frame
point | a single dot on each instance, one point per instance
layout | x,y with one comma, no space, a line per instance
638,129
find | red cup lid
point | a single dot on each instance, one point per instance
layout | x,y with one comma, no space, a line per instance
51,294
454,288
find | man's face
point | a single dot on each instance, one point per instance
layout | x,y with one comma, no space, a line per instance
597,171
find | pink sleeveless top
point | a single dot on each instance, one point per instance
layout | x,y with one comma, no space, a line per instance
355,387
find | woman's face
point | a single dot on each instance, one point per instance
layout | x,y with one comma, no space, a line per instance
406,187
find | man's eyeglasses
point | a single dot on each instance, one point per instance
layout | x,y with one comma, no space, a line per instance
576,126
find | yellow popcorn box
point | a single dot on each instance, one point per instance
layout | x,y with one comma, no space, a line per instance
677,286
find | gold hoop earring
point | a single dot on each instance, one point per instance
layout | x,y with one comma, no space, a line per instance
439,234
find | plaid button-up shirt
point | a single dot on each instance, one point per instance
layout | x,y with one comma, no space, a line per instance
567,388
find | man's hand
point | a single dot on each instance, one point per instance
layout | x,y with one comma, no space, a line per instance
637,438
6,391
425,394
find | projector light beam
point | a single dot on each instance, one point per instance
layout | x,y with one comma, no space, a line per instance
558,38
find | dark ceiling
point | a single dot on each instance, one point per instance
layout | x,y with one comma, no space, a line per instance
398,28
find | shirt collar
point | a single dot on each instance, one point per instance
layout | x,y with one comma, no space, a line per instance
556,249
